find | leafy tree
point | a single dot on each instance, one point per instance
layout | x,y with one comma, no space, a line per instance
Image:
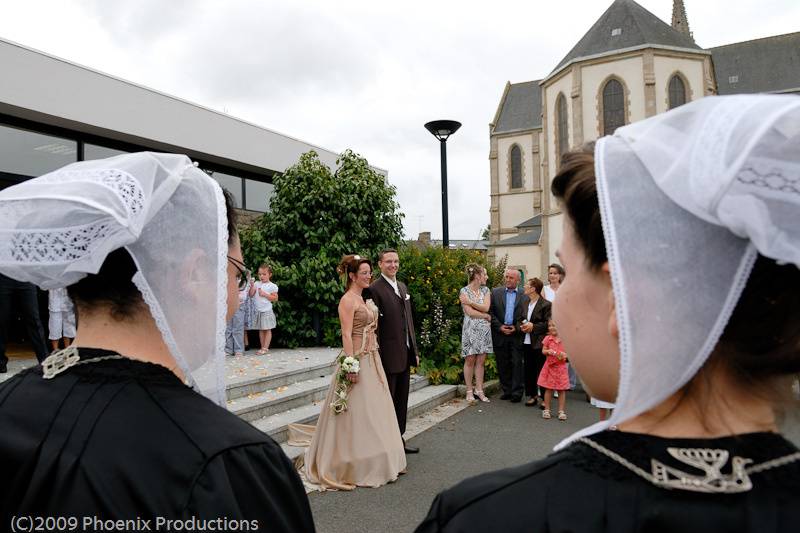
486,232
316,216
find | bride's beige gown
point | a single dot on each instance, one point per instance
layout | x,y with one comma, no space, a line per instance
361,446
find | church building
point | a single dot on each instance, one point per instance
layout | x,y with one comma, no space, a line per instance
630,65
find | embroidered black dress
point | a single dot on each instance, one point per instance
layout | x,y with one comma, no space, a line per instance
124,439
578,489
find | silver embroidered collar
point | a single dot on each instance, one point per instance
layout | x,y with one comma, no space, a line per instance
58,362
709,461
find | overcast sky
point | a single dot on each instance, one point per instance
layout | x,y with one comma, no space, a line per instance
358,74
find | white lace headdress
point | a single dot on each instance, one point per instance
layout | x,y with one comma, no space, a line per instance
688,199
169,216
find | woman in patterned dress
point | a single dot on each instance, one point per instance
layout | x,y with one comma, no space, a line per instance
476,334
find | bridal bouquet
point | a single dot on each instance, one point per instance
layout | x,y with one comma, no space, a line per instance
345,377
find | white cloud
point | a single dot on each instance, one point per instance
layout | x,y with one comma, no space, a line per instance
358,74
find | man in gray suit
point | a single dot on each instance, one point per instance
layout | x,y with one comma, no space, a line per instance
508,301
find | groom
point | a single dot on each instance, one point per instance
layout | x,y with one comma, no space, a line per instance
396,339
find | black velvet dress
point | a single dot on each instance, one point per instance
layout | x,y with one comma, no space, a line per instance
578,489
121,439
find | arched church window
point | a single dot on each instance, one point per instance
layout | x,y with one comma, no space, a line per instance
677,92
613,106
516,167
562,134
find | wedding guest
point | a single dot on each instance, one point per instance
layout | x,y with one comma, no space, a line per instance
61,325
264,293
534,326
555,276
476,333
701,379
130,420
234,331
553,377
24,294
508,301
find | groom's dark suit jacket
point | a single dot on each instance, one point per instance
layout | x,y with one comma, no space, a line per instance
395,324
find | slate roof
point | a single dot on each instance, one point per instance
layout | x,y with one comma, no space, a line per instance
638,27
531,222
463,244
522,108
763,65
528,237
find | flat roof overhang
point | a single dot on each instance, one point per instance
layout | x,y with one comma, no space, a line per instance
44,89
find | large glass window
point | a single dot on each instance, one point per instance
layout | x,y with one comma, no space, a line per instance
258,195
516,167
94,151
25,153
613,106
562,124
677,92
232,183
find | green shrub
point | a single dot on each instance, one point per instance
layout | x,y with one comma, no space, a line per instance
316,216
434,277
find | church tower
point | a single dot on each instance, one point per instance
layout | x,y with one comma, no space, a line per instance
679,20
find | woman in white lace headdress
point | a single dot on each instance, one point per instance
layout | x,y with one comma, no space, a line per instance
700,378
129,421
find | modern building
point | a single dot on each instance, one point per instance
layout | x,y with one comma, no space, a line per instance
629,65
54,112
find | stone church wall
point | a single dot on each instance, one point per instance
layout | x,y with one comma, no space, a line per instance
595,76
691,70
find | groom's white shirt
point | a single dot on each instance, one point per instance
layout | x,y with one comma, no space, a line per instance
392,282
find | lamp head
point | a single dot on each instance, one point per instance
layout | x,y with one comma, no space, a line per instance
442,129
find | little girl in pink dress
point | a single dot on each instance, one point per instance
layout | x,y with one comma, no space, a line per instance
554,374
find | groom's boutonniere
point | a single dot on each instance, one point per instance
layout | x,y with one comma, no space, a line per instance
408,296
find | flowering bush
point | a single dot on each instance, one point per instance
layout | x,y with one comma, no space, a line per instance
434,277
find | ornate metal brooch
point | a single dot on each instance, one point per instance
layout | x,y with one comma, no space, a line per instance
709,461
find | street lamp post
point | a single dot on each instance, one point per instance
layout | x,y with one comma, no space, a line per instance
442,129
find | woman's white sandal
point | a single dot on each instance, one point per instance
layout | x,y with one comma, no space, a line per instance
562,415
546,414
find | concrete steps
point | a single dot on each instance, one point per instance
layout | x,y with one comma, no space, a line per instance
289,386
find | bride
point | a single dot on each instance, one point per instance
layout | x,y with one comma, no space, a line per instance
361,445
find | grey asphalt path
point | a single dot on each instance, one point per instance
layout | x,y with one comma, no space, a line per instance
478,439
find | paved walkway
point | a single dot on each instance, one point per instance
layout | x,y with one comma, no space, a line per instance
475,440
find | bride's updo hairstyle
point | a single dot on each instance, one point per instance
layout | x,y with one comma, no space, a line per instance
761,341
350,265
